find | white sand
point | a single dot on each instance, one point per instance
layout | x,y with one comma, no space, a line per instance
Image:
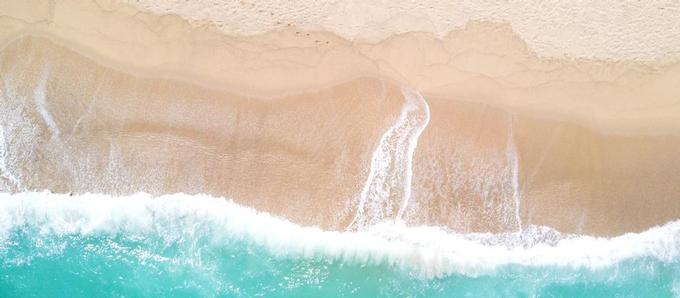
612,30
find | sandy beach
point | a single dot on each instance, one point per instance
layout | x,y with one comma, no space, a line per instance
107,97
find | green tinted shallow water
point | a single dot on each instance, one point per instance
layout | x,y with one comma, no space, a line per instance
180,255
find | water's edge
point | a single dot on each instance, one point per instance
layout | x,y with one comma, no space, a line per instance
199,245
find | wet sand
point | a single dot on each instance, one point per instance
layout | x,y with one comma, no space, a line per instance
110,99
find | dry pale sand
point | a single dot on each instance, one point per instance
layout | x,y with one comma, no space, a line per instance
110,99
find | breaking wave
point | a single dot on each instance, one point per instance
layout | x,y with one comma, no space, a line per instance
428,251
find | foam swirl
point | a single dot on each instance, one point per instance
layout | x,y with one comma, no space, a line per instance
428,251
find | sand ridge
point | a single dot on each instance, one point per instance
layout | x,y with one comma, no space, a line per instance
500,71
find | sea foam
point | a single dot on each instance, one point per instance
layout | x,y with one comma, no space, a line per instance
427,251
387,189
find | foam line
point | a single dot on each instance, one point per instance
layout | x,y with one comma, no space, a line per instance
4,156
429,251
40,99
387,189
424,120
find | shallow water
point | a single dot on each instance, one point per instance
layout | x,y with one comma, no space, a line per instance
182,245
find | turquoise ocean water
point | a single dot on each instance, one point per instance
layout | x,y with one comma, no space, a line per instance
198,246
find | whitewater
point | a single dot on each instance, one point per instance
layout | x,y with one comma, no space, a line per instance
199,245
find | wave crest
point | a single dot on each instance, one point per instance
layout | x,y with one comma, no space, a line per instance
428,251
